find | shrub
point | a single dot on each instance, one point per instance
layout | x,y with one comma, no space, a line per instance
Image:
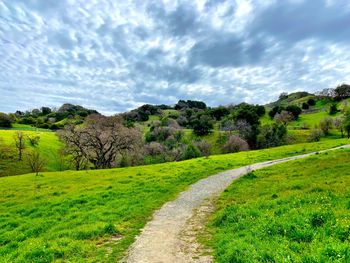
203,125
305,106
272,135
33,140
5,120
304,126
191,151
204,147
311,102
315,135
284,118
333,109
326,125
235,144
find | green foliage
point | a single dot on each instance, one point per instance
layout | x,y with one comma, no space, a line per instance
305,106
219,112
272,136
192,104
311,102
333,109
292,212
202,125
295,110
5,120
191,152
315,135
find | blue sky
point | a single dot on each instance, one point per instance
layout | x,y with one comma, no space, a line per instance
116,55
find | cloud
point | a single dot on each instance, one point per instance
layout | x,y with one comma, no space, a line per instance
117,55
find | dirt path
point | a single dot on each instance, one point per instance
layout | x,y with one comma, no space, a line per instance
170,237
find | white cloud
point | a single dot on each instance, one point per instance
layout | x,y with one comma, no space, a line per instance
116,55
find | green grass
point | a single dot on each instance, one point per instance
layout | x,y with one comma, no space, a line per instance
48,147
293,212
68,216
312,119
26,127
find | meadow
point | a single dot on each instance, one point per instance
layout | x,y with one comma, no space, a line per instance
272,215
94,215
48,146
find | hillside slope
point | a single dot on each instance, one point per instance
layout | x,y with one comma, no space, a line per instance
292,212
95,215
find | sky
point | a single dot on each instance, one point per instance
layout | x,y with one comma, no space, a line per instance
114,56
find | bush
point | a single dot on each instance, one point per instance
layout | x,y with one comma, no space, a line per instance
315,135
204,147
235,144
33,140
305,106
311,102
5,120
326,125
333,109
191,151
272,135
304,126
203,125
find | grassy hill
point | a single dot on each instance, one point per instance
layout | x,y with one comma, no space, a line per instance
293,212
94,215
48,147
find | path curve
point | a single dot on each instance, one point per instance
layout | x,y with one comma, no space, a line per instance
162,239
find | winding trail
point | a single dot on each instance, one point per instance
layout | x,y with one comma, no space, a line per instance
170,237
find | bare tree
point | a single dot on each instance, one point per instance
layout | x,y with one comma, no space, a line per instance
326,125
235,144
35,162
204,147
20,144
284,118
339,124
100,140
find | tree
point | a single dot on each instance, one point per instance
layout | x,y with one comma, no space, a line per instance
284,118
339,124
19,143
342,92
283,95
191,151
45,110
295,110
5,120
202,125
315,135
311,102
347,123
272,135
100,140
204,147
35,162
235,144
305,106
333,109
326,125
275,110
219,112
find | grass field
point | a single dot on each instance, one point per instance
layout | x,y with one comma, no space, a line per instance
272,215
48,147
71,216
